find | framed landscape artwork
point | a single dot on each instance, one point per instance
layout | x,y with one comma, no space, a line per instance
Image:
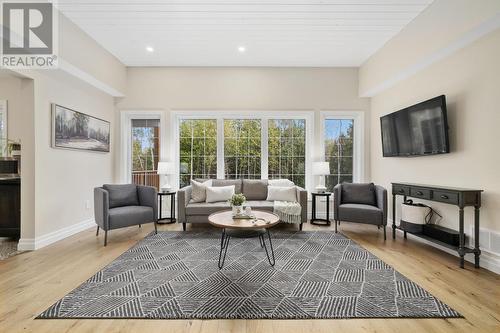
75,130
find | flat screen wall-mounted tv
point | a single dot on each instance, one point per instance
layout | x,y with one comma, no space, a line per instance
421,129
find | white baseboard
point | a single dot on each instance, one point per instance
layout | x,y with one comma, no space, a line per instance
30,244
488,260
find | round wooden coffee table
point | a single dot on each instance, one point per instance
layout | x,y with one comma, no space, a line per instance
261,224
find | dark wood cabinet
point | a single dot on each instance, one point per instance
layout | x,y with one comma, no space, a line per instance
10,207
461,197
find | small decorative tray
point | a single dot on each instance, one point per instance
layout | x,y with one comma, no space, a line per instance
243,216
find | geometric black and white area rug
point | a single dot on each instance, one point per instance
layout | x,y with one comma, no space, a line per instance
174,275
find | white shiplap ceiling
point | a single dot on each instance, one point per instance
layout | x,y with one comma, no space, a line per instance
310,33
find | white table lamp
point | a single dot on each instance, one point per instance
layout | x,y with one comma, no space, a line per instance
166,168
321,169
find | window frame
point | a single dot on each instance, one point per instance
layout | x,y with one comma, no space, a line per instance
293,137
177,143
263,115
125,157
358,138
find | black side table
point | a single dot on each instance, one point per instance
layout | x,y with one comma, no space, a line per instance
315,220
172,207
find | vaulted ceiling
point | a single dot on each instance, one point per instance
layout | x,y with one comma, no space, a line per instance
312,33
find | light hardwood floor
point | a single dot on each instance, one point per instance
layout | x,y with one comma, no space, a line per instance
31,282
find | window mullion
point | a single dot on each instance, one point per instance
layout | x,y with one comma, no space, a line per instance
220,148
264,148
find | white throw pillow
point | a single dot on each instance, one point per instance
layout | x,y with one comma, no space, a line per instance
280,182
220,193
280,193
199,190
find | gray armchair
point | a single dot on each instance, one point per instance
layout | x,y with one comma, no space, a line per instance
360,203
119,206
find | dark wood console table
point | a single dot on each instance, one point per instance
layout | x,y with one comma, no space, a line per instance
460,197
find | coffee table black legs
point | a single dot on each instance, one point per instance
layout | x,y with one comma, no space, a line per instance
224,244
263,244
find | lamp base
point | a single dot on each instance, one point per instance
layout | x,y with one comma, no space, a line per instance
166,188
320,189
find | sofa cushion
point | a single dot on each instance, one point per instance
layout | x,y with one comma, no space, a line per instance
360,213
254,189
206,208
199,190
220,193
122,195
228,182
281,193
120,217
359,194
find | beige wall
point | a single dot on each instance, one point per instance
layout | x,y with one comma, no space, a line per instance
260,89
243,88
441,24
56,183
470,79
65,178
20,127
81,51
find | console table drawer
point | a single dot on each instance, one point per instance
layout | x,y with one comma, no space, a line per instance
401,190
446,197
420,193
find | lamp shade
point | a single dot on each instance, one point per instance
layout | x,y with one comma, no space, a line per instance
321,168
165,168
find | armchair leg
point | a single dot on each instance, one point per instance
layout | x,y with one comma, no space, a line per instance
156,229
184,226
105,237
300,226
385,236
97,232
336,225
140,225
378,227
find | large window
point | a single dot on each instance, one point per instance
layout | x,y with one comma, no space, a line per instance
198,149
145,151
339,138
250,146
242,148
287,150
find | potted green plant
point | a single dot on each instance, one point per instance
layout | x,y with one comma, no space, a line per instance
236,203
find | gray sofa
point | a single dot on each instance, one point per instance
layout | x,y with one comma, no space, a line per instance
119,206
254,190
360,203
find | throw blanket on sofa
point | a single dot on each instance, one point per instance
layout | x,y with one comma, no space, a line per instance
289,212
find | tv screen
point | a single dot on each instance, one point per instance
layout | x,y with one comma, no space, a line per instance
421,129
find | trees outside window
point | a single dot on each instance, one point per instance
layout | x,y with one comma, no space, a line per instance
287,150
242,148
339,137
198,150
145,151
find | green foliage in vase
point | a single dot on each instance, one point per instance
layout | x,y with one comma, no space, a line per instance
237,199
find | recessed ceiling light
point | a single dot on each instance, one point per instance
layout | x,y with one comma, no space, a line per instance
150,49
241,49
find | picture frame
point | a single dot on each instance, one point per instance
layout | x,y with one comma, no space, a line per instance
75,130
